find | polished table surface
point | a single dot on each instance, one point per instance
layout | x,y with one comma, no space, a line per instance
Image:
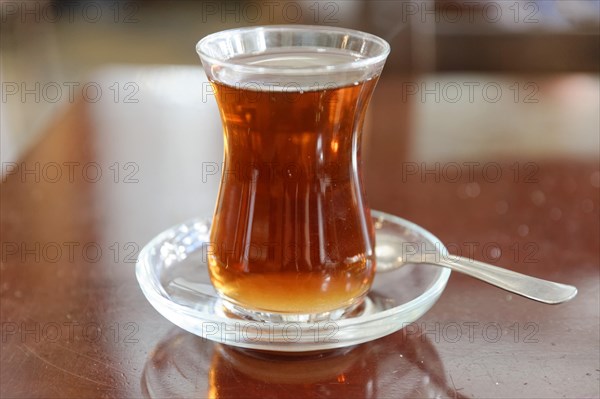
504,180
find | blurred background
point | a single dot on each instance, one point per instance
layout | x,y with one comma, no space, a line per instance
554,44
484,129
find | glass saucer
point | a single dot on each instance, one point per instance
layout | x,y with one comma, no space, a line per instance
172,273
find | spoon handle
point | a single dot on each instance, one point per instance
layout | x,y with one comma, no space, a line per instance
530,287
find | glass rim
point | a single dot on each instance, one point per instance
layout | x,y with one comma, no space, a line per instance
202,47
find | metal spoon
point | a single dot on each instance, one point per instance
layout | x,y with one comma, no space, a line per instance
530,287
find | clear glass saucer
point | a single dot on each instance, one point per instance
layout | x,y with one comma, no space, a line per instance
172,273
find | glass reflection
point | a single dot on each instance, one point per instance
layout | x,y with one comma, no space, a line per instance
401,365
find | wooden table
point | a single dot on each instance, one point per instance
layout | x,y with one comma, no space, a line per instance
509,182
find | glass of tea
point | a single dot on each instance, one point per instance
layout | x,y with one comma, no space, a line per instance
292,238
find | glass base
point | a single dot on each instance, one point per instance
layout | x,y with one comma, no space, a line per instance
173,275
237,311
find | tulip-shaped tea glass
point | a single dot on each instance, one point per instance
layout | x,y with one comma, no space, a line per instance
292,238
